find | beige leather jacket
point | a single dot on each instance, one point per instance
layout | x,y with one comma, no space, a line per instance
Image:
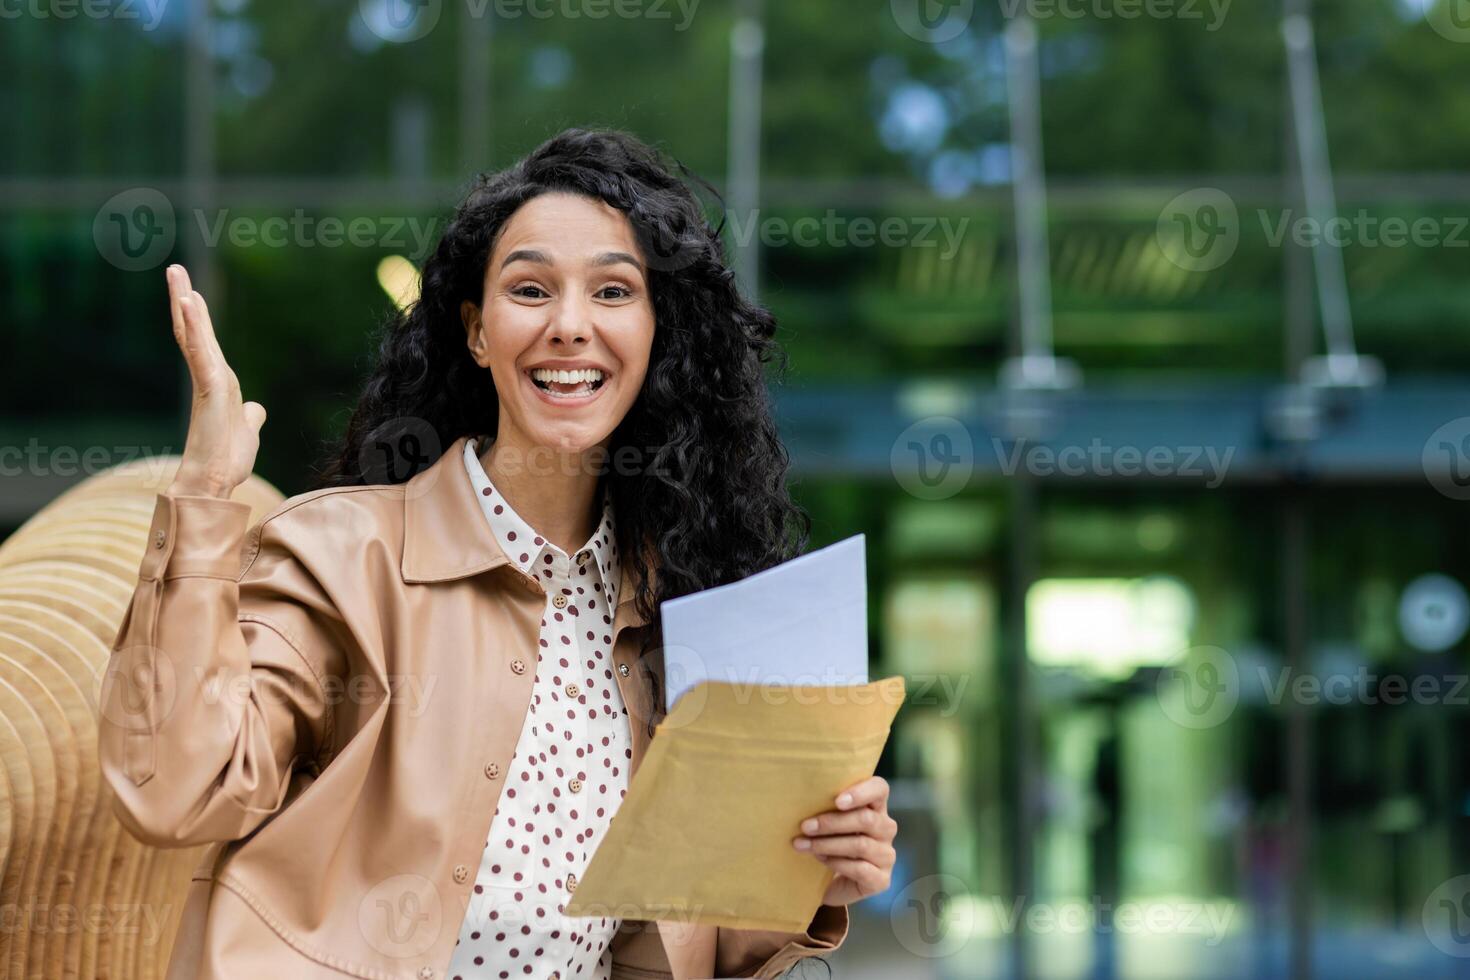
333,695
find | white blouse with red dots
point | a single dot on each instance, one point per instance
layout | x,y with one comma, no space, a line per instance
567,775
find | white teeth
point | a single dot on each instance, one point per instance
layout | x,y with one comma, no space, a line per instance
566,377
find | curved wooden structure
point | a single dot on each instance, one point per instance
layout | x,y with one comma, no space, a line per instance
79,897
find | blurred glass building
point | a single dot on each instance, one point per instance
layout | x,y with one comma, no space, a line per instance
1131,332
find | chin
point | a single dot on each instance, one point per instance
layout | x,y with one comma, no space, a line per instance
569,439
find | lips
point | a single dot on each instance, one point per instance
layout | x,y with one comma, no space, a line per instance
567,387
577,381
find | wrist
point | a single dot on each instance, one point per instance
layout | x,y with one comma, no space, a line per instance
185,488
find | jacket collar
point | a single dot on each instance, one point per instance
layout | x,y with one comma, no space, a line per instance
446,536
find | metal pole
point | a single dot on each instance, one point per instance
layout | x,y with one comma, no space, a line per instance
475,128
1023,82
1033,364
1342,365
1299,747
1016,776
747,52
199,177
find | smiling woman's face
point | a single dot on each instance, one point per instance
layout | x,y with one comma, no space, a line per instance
565,323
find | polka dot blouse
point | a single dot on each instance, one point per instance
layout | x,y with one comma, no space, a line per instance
567,775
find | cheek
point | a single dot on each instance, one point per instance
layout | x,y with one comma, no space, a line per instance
508,331
633,345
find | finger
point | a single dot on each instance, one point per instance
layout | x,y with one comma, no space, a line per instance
176,313
196,353
205,361
869,878
869,791
855,846
867,820
208,326
254,415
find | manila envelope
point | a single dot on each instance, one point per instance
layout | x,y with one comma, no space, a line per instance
704,833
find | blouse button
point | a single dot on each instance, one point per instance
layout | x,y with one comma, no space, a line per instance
518,665
492,770
623,670
571,882
573,690
427,973
559,602
461,873
575,786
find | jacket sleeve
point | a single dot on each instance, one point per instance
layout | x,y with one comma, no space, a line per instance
215,686
761,953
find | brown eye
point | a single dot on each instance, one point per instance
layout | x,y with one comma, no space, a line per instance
527,290
619,292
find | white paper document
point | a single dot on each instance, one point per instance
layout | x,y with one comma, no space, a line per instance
804,621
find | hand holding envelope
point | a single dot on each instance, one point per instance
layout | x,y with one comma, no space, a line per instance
746,753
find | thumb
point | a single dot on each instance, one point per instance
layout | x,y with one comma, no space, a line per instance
254,415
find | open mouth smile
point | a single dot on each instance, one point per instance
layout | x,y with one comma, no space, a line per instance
567,387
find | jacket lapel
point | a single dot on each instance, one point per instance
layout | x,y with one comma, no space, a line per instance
446,536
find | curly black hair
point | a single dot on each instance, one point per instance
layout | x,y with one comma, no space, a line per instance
708,504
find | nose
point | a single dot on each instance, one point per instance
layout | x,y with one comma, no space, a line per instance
571,323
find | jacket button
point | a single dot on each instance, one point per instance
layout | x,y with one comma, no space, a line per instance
571,882
461,873
492,770
573,690
518,665
559,602
575,786
622,670
158,538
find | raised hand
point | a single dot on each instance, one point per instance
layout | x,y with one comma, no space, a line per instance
224,432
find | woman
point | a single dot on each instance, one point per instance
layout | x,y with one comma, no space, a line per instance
406,704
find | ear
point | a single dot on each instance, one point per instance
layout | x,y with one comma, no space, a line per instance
469,313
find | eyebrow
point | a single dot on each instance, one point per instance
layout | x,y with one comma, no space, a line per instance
606,258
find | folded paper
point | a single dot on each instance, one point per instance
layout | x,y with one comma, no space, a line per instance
704,833
803,621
